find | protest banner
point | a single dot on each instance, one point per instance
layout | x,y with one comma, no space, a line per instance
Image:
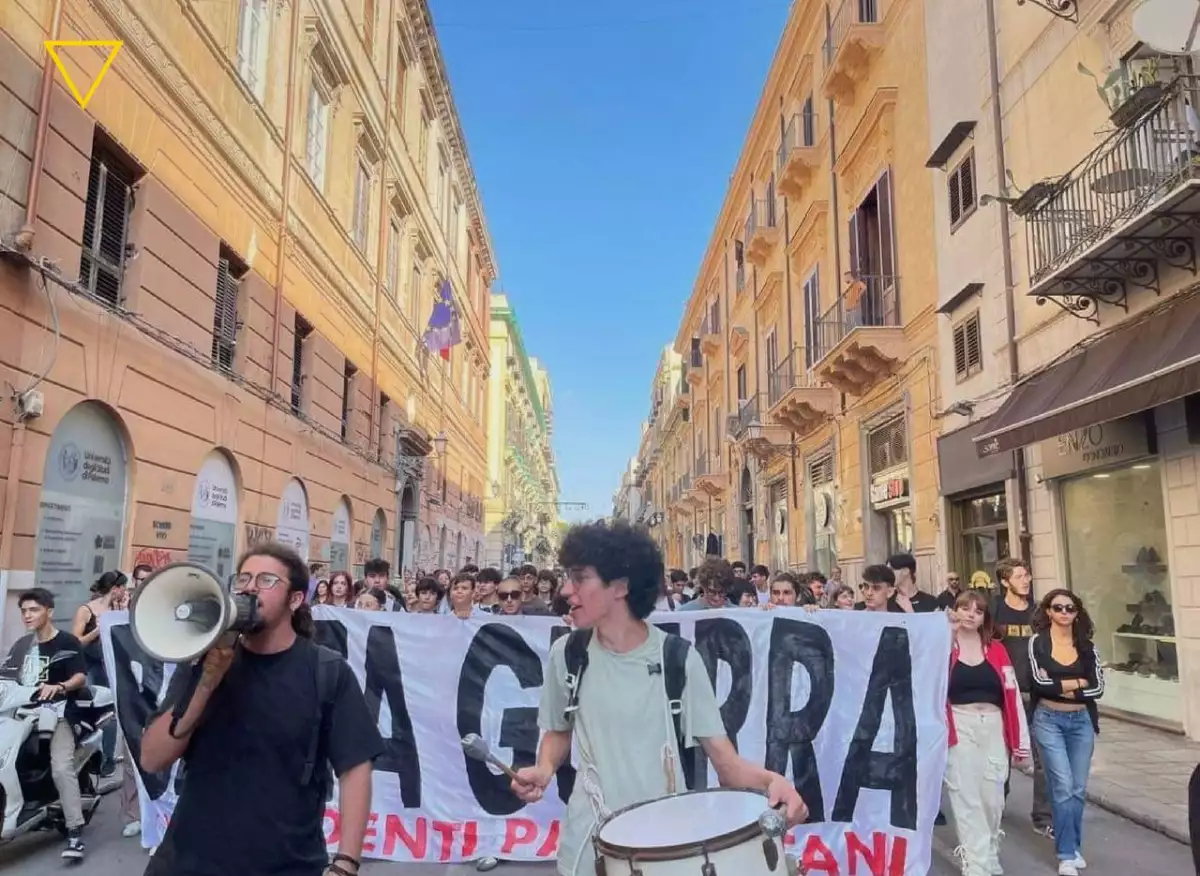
849,705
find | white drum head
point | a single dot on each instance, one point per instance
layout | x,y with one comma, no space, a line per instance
683,819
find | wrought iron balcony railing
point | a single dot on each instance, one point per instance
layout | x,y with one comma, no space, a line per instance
789,374
800,133
1122,177
747,416
762,215
851,12
870,301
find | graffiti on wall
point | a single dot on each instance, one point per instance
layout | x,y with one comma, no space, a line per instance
155,558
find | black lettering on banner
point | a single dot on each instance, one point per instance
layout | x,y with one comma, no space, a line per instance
669,627
896,770
137,701
382,678
494,646
557,632
724,640
332,634
790,734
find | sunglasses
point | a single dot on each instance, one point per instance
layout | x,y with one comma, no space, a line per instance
1063,608
508,595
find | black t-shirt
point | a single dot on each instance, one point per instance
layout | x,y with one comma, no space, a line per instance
32,663
948,597
891,606
921,602
242,807
1013,627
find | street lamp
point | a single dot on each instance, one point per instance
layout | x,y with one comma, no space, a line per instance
439,444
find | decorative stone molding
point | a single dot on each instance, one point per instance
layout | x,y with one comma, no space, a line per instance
872,144
144,45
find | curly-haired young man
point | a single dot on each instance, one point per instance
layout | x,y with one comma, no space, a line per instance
615,573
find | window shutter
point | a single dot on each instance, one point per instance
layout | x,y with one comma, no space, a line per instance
966,181
960,351
955,191
225,317
973,348
105,224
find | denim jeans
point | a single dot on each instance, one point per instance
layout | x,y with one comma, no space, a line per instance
1067,740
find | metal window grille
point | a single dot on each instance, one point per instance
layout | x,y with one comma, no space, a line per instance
105,229
302,331
888,446
820,471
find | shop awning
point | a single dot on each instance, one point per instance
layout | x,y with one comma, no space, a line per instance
1150,361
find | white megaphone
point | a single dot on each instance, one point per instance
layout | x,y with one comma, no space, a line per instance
182,610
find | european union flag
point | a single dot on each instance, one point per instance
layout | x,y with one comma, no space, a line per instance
443,330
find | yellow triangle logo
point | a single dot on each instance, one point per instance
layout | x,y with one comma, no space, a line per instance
52,47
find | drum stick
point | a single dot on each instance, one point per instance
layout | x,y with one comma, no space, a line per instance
474,746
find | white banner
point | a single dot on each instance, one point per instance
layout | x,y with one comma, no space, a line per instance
851,706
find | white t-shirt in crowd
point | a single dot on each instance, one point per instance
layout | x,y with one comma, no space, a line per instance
616,734
764,596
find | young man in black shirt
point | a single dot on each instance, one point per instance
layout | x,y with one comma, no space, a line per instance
53,661
1012,616
908,597
878,589
243,719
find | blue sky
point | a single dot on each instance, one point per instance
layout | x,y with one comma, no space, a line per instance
602,137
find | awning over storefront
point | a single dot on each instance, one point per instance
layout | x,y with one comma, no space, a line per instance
960,467
1150,361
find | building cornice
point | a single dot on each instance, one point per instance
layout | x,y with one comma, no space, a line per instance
425,41
505,314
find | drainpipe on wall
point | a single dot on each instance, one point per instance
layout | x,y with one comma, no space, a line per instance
286,193
24,238
1010,316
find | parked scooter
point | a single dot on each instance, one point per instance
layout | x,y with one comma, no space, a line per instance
28,797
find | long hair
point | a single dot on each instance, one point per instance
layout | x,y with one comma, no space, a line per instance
350,594
298,578
979,599
1082,628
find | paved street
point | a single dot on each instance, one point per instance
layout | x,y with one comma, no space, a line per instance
1113,846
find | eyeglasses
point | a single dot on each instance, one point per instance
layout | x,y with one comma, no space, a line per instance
1063,608
263,580
508,595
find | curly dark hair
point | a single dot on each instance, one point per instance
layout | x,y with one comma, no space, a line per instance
617,551
297,577
1082,628
716,574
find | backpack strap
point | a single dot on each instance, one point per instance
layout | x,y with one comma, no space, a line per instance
675,656
576,652
326,666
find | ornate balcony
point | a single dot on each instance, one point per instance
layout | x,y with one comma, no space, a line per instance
1125,215
752,432
711,338
762,230
798,157
860,340
711,475
853,40
796,399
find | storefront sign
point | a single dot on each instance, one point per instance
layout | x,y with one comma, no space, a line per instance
1098,446
291,524
213,529
963,467
378,525
887,492
339,538
81,514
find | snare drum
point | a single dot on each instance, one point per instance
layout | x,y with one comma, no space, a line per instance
699,833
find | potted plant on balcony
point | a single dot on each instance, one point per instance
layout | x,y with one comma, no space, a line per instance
1128,94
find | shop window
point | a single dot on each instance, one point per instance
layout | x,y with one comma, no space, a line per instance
981,531
1116,538
968,351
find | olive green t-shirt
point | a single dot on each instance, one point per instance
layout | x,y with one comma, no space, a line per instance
620,729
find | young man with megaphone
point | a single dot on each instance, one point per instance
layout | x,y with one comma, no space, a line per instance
258,723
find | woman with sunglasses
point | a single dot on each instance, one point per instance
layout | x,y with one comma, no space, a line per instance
1067,679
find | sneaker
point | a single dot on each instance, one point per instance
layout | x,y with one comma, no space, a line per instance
1045,830
108,770
74,849
1079,862
1067,868
487,863
134,828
